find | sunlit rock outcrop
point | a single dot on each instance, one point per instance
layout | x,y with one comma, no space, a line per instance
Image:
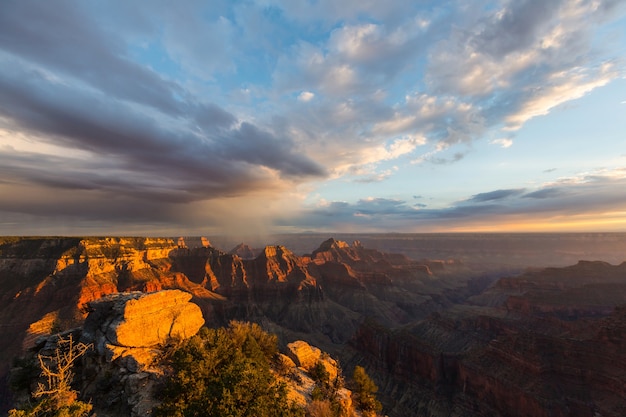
127,331
438,336
142,320
306,356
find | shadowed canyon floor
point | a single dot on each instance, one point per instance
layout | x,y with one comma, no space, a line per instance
444,335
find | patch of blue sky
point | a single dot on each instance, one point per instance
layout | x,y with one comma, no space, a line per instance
582,134
154,56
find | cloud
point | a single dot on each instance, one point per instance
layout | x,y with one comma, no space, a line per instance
592,194
374,177
356,60
306,96
445,119
515,27
431,157
545,193
204,55
502,142
484,70
64,39
329,12
206,153
560,88
85,94
523,59
308,65
494,195
182,113
393,150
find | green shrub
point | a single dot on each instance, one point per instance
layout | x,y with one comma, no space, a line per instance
319,373
226,372
320,408
46,409
324,394
365,390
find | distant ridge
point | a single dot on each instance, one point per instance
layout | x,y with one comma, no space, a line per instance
463,334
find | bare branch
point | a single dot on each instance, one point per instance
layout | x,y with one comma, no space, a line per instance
57,369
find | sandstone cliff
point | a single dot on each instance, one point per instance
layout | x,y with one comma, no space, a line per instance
244,251
46,284
125,366
438,338
125,321
124,334
539,345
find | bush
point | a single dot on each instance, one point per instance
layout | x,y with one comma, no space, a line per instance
318,408
46,409
226,372
319,373
365,390
324,394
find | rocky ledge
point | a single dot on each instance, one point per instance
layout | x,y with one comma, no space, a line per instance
132,324
126,336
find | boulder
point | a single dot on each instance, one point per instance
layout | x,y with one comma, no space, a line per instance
306,356
303,355
142,320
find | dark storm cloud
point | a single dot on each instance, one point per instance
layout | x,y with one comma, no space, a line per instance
66,79
135,143
250,144
210,116
89,206
59,37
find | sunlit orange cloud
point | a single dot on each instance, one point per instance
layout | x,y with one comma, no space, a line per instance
603,222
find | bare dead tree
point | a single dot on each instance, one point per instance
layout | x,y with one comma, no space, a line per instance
57,369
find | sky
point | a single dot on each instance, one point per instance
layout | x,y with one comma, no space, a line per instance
272,116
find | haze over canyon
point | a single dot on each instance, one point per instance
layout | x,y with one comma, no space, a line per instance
528,333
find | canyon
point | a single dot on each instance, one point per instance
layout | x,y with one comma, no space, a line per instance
440,336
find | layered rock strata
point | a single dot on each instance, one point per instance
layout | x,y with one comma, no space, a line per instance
436,336
124,333
120,373
122,323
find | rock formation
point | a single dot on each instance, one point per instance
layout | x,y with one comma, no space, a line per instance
121,372
243,251
122,323
125,333
437,336
300,359
537,345
306,356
